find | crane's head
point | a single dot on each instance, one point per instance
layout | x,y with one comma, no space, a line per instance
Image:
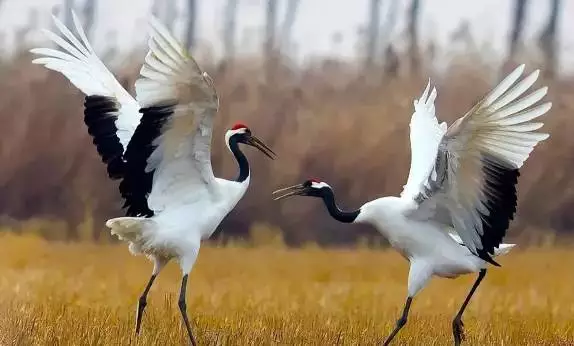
240,133
311,187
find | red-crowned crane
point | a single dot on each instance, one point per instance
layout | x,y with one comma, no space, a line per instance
460,194
158,145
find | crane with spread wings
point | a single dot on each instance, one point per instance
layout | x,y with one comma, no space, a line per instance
460,195
158,145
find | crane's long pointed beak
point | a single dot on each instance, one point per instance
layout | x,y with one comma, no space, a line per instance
288,192
257,143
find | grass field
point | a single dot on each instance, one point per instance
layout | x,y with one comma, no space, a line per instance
85,294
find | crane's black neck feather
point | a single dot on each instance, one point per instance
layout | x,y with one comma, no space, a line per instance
338,214
241,159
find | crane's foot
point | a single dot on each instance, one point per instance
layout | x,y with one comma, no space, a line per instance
458,331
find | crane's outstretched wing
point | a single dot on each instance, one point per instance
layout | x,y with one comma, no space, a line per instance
111,114
477,164
169,157
425,136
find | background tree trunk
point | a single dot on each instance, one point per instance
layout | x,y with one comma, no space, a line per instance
288,22
517,25
190,33
229,28
269,44
386,50
413,19
547,39
372,33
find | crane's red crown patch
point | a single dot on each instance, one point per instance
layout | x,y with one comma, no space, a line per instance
315,180
238,126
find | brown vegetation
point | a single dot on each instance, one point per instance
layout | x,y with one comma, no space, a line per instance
322,121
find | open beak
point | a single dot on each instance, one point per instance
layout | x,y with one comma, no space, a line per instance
294,190
257,143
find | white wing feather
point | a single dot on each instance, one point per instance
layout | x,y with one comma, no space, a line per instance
425,136
494,137
79,63
182,159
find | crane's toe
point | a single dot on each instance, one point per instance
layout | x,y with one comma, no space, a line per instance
458,331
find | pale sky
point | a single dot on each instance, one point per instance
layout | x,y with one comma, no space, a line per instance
316,23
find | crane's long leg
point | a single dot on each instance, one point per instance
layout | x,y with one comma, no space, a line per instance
401,321
457,325
419,274
183,309
142,302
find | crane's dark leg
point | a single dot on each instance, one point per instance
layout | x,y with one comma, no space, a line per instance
400,322
183,309
142,303
457,325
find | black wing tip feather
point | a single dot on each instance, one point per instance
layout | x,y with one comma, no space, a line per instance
501,206
100,114
487,257
137,183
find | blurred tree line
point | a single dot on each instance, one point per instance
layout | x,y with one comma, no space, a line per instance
297,104
379,48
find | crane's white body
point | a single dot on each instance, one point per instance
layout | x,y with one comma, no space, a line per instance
187,201
177,232
430,247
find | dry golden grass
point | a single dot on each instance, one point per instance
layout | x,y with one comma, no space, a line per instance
85,294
